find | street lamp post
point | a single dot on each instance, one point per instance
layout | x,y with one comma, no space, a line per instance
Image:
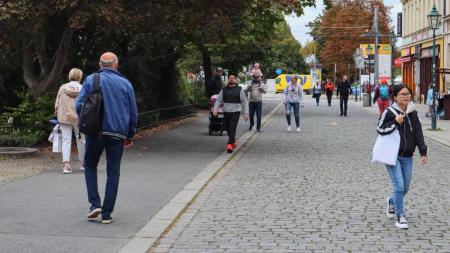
369,52
393,40
434,20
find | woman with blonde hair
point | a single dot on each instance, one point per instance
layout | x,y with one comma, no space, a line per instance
68,118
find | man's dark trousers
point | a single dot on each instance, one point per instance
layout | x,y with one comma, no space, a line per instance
343,104
230,121
114,150
255,107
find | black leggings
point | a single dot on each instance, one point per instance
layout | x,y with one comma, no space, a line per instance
230,121
343,104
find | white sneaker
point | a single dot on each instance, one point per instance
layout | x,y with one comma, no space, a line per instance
67,171
298,129
402,223
289,128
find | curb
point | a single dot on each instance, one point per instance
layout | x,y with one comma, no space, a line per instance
162,221
426,133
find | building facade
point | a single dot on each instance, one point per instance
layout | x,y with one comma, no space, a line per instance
416,48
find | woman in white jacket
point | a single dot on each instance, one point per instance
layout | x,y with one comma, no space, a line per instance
68,118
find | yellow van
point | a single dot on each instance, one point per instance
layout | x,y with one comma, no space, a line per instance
283,80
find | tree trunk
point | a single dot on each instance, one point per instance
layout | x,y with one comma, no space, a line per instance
206,57
49,72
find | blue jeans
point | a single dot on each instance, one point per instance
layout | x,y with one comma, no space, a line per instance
255,107
401,175
94,149
296,107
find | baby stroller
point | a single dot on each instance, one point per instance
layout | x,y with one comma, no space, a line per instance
215,123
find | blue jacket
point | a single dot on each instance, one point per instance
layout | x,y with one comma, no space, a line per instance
120,111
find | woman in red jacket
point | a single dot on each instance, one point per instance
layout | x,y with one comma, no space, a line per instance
329,89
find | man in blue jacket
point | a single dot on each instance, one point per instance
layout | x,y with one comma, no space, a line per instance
119,127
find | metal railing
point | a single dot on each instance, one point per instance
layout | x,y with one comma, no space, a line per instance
154,117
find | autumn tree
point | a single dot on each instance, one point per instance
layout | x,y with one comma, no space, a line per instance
339,31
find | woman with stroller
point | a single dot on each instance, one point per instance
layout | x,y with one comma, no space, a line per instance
68,118
406,121
234,101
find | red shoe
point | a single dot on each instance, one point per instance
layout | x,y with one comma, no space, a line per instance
234,145
230,148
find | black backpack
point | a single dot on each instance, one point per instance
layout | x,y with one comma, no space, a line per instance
90,121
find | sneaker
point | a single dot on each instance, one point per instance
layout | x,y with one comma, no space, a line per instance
230,148
298,129
66,170
390,209
93,213
107,220
341,114
402,223
259,130
234,145
289,128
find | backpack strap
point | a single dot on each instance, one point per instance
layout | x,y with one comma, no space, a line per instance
96,82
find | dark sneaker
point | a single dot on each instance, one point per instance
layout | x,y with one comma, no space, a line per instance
107,220
402,223
390,209
94,212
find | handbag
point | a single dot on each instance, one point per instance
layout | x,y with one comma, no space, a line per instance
385,149
56,138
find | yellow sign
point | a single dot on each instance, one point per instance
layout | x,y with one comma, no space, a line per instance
383,49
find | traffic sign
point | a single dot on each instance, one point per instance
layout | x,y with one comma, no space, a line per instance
278,71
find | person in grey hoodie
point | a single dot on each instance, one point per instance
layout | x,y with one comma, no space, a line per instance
293,97
233,99
256,88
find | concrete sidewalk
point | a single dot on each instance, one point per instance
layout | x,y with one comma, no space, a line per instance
442,135
46,212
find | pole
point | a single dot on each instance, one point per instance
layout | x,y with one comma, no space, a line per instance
392,64
334,79
376,70
433,116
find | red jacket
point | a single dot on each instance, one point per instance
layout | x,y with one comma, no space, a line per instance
330,86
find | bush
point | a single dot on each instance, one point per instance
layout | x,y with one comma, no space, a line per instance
30,121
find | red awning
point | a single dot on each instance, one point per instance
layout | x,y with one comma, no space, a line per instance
400,60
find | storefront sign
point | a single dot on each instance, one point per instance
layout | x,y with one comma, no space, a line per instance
399,24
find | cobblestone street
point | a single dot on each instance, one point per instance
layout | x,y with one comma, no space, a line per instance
315,191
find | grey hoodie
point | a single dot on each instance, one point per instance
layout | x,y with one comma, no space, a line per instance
256,90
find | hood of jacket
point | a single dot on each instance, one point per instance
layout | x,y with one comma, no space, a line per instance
72,89
409,108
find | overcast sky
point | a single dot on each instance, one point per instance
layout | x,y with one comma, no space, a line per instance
298,24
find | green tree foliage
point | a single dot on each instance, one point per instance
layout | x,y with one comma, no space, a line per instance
44,39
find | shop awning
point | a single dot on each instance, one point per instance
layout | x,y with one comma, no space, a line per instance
400,60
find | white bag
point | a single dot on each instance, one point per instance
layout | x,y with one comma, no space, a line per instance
56,137
385,150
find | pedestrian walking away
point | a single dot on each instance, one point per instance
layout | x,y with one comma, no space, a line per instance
343,91
118,128
293,97
329,89
68,118
255,89
234,101
317,91
382,96
215,84
411,136
429,100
